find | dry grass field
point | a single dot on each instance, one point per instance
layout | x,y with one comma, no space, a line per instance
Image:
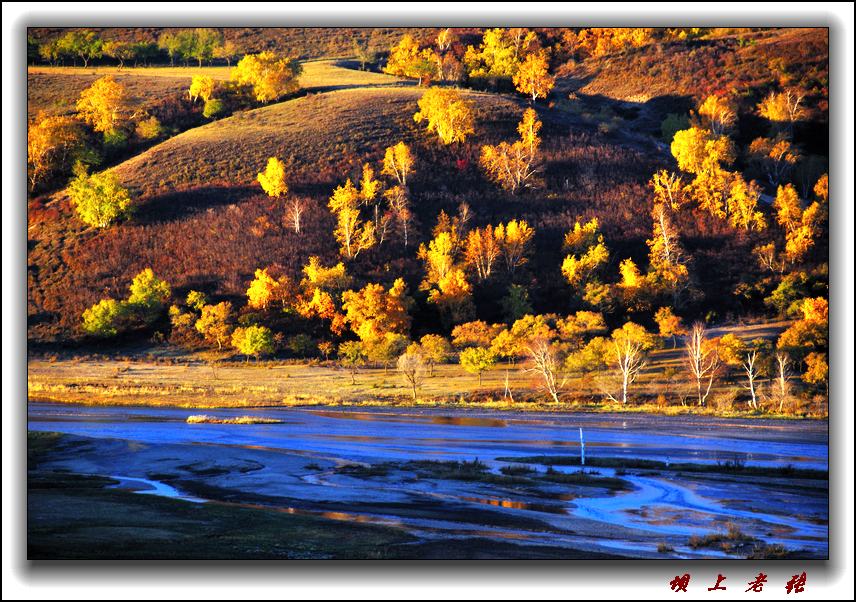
208,379
319,130
55,90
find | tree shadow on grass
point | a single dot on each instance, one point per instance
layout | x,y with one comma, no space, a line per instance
177,204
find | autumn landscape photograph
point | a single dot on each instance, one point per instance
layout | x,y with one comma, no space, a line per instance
529,293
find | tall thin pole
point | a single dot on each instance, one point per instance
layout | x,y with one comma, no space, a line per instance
582,449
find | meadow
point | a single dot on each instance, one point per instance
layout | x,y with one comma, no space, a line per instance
212,380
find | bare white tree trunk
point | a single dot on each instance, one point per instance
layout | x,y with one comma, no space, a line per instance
782,378
702,360
295,211
507,393
630,360
751,376
545,364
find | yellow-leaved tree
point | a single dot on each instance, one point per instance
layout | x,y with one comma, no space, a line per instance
776,157
201,86
103,105
407,59
515,165
373,311
667,260
270,75
445,278
398,162
800,226
718,113
266,289
533,77
481,250
52,143
500,53
668,188
213,323
514,242
447,113
353,233
783,108
588,254
272,179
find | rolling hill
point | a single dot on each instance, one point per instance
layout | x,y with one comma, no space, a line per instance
202,222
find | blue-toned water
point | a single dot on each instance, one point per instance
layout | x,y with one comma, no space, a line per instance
295,461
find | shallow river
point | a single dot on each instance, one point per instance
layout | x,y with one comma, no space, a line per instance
293,465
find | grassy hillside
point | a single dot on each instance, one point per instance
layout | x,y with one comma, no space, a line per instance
299,42
202,222
198,202
322,132
55,90
52,93
674,76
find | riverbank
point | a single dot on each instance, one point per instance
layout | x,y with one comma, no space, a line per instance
191,382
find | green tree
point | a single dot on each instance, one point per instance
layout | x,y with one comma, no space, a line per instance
253,340
104,318
212,108
82,44
385,349
205,41
477,360
352,356
171,43
121,51
99,199
516,303
436,350
148,295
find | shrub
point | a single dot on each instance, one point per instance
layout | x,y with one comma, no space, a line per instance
149,128
212,108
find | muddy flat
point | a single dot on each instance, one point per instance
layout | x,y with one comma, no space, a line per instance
451,483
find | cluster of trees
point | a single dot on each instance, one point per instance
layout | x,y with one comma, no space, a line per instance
103,124
329,312
186,45
504,57
580,44
74,45
554,348
269,75
263,77
104,110
144,305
